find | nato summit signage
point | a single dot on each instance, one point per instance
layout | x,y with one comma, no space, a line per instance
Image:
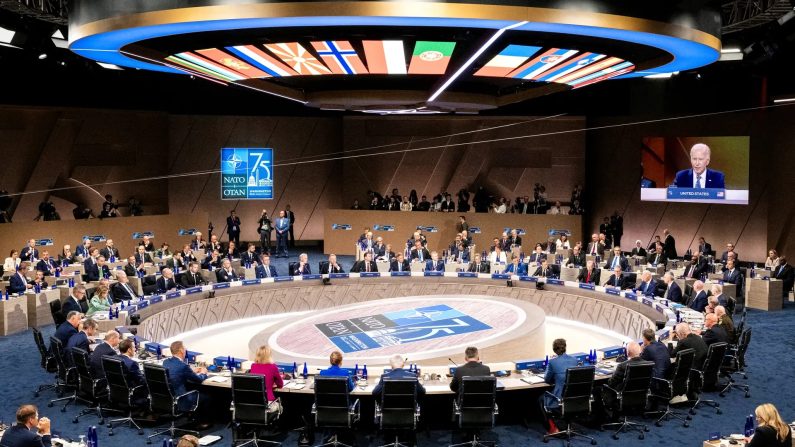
246,173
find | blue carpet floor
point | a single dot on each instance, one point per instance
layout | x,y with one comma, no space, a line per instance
770,376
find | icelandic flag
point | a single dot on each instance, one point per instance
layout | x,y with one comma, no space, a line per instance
540,64
507,60
340,57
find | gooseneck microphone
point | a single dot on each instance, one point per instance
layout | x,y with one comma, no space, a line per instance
451,361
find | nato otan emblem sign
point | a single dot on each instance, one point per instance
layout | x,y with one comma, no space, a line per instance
246,173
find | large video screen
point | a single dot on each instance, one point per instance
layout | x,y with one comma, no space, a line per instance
246,173
695,169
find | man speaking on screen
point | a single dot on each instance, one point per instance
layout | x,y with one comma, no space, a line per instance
699,176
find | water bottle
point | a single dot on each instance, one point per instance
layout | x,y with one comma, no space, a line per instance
229,363
356,370
94,436
90,440
305,372
546,361
58,273
364,372
159,352
295,370
747,431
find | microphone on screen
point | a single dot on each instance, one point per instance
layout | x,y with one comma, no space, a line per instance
451,361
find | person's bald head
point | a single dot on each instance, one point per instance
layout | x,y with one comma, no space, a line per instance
633,349
645,276
717,290
698,286
112,338
710,320
682,330
720,311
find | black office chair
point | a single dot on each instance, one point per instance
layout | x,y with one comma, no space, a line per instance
631,399
476,407
734,364
250,408
333,408
291,267
120,395
707,377
731,305
163,401
667,389
47,361
55,311
398,409
321,265
66,377
90,390
575,401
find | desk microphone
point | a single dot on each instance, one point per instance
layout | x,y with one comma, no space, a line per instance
451,361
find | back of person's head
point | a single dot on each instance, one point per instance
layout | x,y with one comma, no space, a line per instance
767,414
471,353
648,335
73,315
264,355
396,361
682,330
90,324
335,358
125,345
720,311
633,349
176,347
188,441
559,346
26,412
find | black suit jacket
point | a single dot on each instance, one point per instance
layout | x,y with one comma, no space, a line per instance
595,276
549,273
669,247
398,373
616,381
484,267
95,359
233,223
165,285
405,266
622,262
657,259
622,283
326,269
130,270
715,334
141,259
189,280
469,369
425,254
19,436
577,260
249,257
600,248
223,276
695,270
106,252
638,252
786,274
360,266
695,343
70,305
121,293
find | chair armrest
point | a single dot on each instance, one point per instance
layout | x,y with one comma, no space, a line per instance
496,409
277,404
189,393
548,393
355,407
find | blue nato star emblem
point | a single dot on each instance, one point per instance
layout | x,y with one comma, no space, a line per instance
233,162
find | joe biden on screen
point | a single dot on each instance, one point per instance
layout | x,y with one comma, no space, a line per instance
699,176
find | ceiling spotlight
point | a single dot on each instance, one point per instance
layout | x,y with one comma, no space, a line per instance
42,56
63,63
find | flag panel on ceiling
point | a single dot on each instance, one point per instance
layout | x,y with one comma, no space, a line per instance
340,57
571,66
210,65
233,63
298,58
430,57
586,71
191,67
385,56
507,60
601,73
261,60
605,77
542,63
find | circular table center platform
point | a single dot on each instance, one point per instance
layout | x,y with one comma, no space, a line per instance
428,329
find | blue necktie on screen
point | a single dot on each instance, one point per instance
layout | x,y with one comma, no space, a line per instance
698,182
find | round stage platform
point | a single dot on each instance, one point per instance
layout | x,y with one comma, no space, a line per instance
428,329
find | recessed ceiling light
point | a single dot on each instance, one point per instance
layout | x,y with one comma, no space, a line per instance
42,56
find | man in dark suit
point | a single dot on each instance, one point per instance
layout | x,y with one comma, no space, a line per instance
448,206
18,283
617,260
672,290
732,275
669,245
265,269
98,270
472,368
365,265
729,253
84,249
249,257
654,351
515,240
303,266
131,267
616,381
81,340
544,270
714,332
589,275
68,328
233,227
282,226
396,362
400,264
332,266
555,376
107,347
132,372
212,261
181,377
699,299
516,267
577,258
38,280
434,264
46,264
146,243
659,257
226,273
648,285
638,250
704,247
698,266
110,251
291,217
76,301
29,431
785,273
192,277
29,252
698,176
619,280
141,256
419,252
122,290
478,265
166,281
689,340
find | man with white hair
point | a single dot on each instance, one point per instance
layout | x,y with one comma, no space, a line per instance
396,362
699,300
648,286
616,381
698,176
166,282
689,340
109,346
717,292
672,291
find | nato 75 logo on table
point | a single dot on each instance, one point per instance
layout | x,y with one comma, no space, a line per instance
399,328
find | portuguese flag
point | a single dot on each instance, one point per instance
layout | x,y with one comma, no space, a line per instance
430,57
